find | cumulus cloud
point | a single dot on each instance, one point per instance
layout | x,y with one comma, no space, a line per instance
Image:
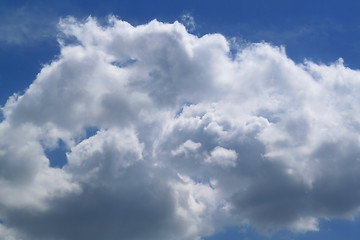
190,138
188,146
222,156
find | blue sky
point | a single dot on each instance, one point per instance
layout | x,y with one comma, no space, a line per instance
58,119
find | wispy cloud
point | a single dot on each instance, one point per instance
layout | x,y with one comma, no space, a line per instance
189,22
26,25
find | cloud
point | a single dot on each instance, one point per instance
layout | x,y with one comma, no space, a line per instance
190,138
6,233
25,25
188,146
222,156
189,22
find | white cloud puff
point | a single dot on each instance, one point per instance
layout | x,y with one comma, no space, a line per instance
190,138
188,146
222,156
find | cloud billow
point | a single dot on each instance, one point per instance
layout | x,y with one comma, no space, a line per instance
190,138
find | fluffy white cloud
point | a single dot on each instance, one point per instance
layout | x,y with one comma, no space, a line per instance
188,146
191,138
222,156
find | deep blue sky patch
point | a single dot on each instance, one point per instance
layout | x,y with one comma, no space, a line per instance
57,156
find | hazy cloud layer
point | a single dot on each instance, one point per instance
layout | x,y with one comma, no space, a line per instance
26,25
192,138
